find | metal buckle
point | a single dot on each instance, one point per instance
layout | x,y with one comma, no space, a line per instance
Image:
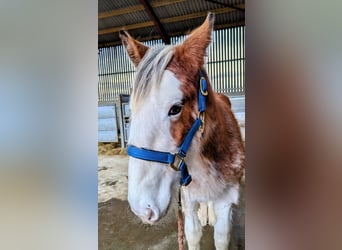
177,162
202,117
204,93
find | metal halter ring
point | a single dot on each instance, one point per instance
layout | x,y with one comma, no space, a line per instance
204,92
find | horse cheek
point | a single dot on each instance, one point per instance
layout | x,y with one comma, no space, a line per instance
180,127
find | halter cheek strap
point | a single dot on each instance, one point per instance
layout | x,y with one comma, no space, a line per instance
176,161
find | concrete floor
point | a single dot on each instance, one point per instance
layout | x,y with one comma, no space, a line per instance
119,228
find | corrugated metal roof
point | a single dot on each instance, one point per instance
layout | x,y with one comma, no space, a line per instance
123,20
108,5
177,17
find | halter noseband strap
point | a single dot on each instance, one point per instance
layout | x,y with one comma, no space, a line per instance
176,160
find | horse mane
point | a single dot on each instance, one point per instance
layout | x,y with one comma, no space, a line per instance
150,72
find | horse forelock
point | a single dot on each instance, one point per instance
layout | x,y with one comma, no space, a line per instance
150,72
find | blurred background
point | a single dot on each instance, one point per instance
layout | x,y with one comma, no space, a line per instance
48,124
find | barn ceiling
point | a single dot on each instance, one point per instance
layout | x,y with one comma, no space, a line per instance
162,19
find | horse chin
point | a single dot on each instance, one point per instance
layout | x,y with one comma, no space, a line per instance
144,221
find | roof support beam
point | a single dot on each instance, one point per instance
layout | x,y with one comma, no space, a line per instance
136,8
157,23
165,20
226,5
222,26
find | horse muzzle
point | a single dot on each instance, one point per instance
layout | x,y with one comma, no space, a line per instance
148,214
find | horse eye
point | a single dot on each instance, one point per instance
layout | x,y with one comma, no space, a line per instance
175,109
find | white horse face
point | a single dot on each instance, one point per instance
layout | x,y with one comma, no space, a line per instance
150,183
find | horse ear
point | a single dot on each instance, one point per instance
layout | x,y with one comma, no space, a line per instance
135,49
194,47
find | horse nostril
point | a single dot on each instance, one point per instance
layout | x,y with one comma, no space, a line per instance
152,214
148,213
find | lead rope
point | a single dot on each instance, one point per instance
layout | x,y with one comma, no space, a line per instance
180,222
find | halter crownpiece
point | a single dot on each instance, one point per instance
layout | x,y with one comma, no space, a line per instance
176,160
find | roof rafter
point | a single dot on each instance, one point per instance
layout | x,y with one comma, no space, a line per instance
136,8
164,20
222,26
226,5
155,20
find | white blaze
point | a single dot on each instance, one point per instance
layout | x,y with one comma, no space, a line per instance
149,183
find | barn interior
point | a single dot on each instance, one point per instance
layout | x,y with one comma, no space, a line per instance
154,23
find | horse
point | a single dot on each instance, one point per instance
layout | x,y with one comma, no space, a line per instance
178,120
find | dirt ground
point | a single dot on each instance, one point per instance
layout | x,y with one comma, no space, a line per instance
119,228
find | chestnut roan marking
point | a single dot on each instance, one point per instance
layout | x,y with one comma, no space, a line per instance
166,76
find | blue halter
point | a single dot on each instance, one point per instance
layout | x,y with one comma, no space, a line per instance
176,161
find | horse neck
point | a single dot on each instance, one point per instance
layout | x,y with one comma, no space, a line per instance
221,143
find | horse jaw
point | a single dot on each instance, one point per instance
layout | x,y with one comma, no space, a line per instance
150,183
